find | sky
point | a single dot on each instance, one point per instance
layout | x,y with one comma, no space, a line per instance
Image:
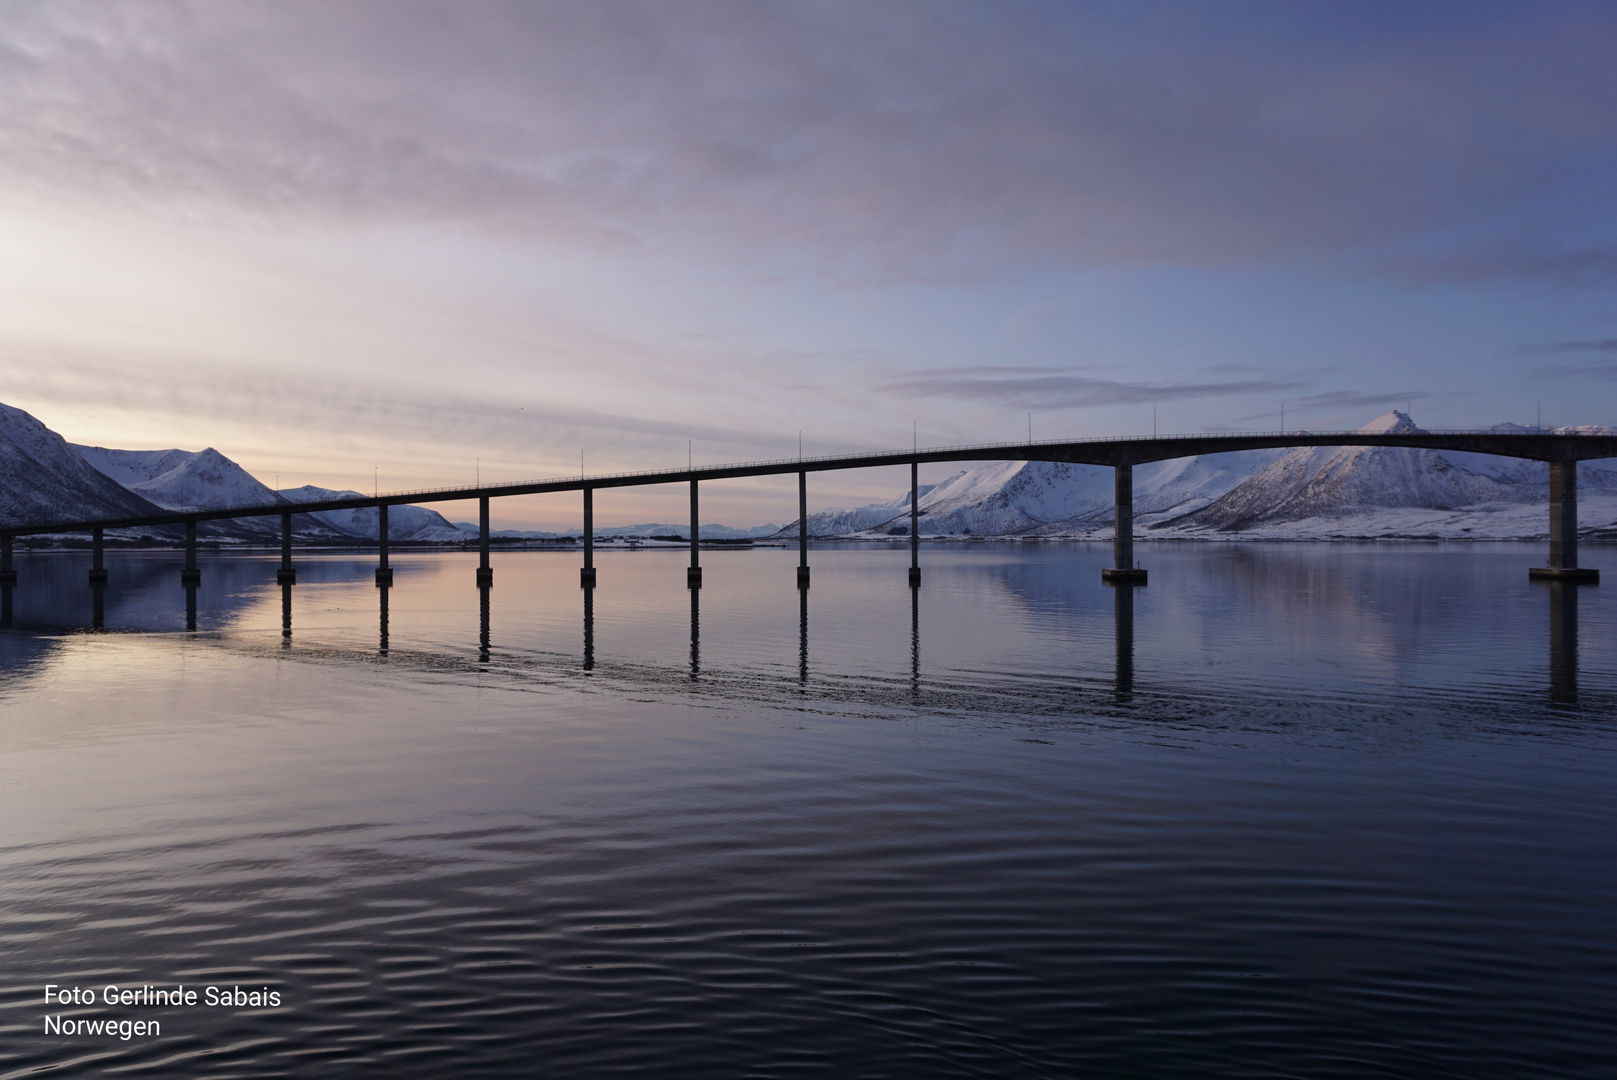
407,244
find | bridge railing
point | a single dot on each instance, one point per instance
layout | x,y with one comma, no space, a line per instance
821,459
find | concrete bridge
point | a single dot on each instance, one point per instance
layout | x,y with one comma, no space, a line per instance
1561,452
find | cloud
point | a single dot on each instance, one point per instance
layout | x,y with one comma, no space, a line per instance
1066,391
1607,345
904,140
1340,399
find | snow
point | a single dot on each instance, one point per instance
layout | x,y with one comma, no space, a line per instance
42,478
404,522
180,479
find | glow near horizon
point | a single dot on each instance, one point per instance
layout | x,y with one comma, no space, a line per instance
744,263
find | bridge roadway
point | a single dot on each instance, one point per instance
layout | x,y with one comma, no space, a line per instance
1561,451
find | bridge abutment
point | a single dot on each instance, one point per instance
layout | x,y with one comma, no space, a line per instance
1563,564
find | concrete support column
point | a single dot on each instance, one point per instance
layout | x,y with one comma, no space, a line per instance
98,566
802,530
586,576
286,575
485,572
915,525
1122,570
693,575
8,579
384,572
1564,528
191,574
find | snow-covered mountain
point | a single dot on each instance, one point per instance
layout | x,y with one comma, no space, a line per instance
1328,485
1307,492
180,479
1043,498
42,478
403,522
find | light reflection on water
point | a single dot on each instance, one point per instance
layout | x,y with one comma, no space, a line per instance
1289,809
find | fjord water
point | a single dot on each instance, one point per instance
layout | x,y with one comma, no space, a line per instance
1290,810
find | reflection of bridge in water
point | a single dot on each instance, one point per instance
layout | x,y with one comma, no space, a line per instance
1561,452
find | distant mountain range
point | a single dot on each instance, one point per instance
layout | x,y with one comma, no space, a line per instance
1303,493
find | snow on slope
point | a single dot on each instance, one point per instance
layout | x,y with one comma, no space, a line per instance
42,479
180,479
403,522
1326,484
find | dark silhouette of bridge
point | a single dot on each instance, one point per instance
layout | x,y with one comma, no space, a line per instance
1562,452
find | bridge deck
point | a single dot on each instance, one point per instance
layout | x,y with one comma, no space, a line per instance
1100,451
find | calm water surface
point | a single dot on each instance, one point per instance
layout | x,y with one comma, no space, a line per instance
1330,810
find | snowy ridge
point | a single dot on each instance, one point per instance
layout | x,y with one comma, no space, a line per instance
1324,486
42,478
403,522
180,479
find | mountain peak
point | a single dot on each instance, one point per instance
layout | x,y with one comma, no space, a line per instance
1390,423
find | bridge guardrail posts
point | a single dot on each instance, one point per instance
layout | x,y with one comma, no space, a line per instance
915,525
1123,571
485,572
802,530
586,575
384,572
286,575
1563,565
693,575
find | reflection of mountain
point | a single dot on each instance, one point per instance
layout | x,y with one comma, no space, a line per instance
143,591
43,480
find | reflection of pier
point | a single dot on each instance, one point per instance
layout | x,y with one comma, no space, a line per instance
1123,613
1563,642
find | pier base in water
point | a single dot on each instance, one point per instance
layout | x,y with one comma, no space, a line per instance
1114,575
1575,575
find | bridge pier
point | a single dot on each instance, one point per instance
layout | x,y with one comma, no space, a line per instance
190,575
802,531
8,580
384,572
286,575
1123,571
98,566
915,525
1563,564
693,575
586,576
485,572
